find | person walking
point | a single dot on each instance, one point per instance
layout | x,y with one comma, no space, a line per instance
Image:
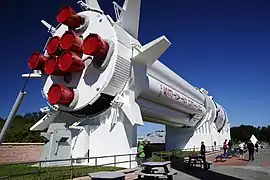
250,147
225,146
241,150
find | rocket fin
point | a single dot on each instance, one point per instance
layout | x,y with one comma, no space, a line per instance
133,113
128,105
130,17
152,51
45,121
93,4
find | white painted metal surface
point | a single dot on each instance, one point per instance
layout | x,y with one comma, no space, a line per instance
186,138
136,86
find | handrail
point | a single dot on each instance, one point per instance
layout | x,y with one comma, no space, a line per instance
96,157
168,154
20,144
70,167
73,159
191,149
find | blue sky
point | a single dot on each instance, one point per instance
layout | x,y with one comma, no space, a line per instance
223,46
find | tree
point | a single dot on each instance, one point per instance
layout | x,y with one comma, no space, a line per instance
19,130
244,132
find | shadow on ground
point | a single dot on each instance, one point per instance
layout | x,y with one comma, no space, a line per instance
201,173
243,159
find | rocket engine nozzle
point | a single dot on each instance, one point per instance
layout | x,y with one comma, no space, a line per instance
70,62
71,56
36,61
69,17
71,41
51,67
95,46
53,46
59,94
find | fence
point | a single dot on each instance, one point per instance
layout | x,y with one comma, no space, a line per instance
166,155
207,148
37,170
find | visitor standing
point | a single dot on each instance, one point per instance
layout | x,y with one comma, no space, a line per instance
203,151
147,149
215,145
140,153
225,146
230,145
241,150
250,147
257,147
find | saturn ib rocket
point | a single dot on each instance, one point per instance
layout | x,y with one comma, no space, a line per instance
100,83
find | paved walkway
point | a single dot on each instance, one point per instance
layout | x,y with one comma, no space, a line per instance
261,159
233,161
232,169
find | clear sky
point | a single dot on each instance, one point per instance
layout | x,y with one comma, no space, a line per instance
223,46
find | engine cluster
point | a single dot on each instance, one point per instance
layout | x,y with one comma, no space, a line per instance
63,55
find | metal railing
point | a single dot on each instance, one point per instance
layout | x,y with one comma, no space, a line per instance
70,167
21,144
167,154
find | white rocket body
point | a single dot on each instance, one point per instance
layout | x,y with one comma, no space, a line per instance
160,93
132,81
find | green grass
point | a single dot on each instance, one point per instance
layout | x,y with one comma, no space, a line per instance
64,172
51,173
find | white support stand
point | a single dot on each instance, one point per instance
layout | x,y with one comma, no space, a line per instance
108,134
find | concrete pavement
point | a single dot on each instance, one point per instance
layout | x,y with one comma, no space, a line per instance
261,159
232,169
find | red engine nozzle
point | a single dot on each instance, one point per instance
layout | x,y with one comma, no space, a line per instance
51,68
36,61
70,41
53,46
69,17
94,45
59,94
70,62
